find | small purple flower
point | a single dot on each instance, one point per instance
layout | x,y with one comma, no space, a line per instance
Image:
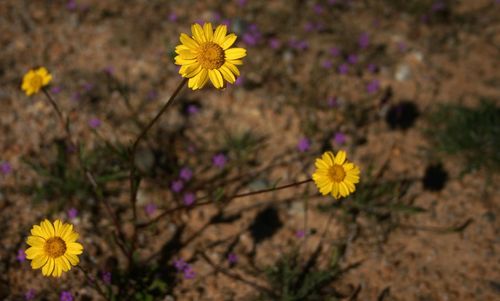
21,255
332,102
232,258
327,64
106,277
239,81
373,86
318,9
180,264
172,17
189,199
29,295
343,68
304,145
364,40
352,59
150,209
5,168
335,51
71,5
193,109
339,138
189,273
72,213
94,123
226,22
66,296
274,43
372,68
300,233
219,160
177,186
186,173
56,90
298,44
250,39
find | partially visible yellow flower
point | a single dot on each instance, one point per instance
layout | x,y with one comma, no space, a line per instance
35,79
53,248
335,175
206,55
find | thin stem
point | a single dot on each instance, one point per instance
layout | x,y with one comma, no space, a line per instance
64,122
93,281
236,196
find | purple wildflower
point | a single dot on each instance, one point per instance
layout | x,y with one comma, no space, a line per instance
335,51
372,68
5,168
193,109
186,173
304,145
189,273
94,123
226,22
373,86
318,9
66,296
339,138
172,17
352,59
343,68
219,160
71,5
72,213
106,277
232,258
332,101
177,185
364,40
180,264
56,90
189,199
21,255
274,43
327,64
252,36
239,81
300,233
30,295
150,209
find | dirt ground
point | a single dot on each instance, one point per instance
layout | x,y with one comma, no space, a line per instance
425,55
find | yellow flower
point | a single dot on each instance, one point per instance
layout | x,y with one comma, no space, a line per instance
35,79
53,248
335,175
207,56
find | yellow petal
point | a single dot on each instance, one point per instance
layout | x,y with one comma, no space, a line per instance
220,34
73,259
66,231
63,263
344,191
340,158
48,268
38,231
35,241
57,228
189,42
48,228
227,74
228,41
71,237
200,79
335,190
33,252
328,158
216,78
233,68
198,34
235,53
57,268
39,261
74,248
209,32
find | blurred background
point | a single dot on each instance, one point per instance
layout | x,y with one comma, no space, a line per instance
410,89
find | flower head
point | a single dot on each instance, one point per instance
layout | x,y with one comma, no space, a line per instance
5,168
189,199
207,55
21,256
53,247
177,185
35,79
72,213
304,145
219,160
335,175
30,294
66,296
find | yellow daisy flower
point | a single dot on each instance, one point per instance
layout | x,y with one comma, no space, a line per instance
35,79
206,55
335,175
53,248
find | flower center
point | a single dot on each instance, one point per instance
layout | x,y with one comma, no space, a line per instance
36,81
55,247
211,56
337,173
